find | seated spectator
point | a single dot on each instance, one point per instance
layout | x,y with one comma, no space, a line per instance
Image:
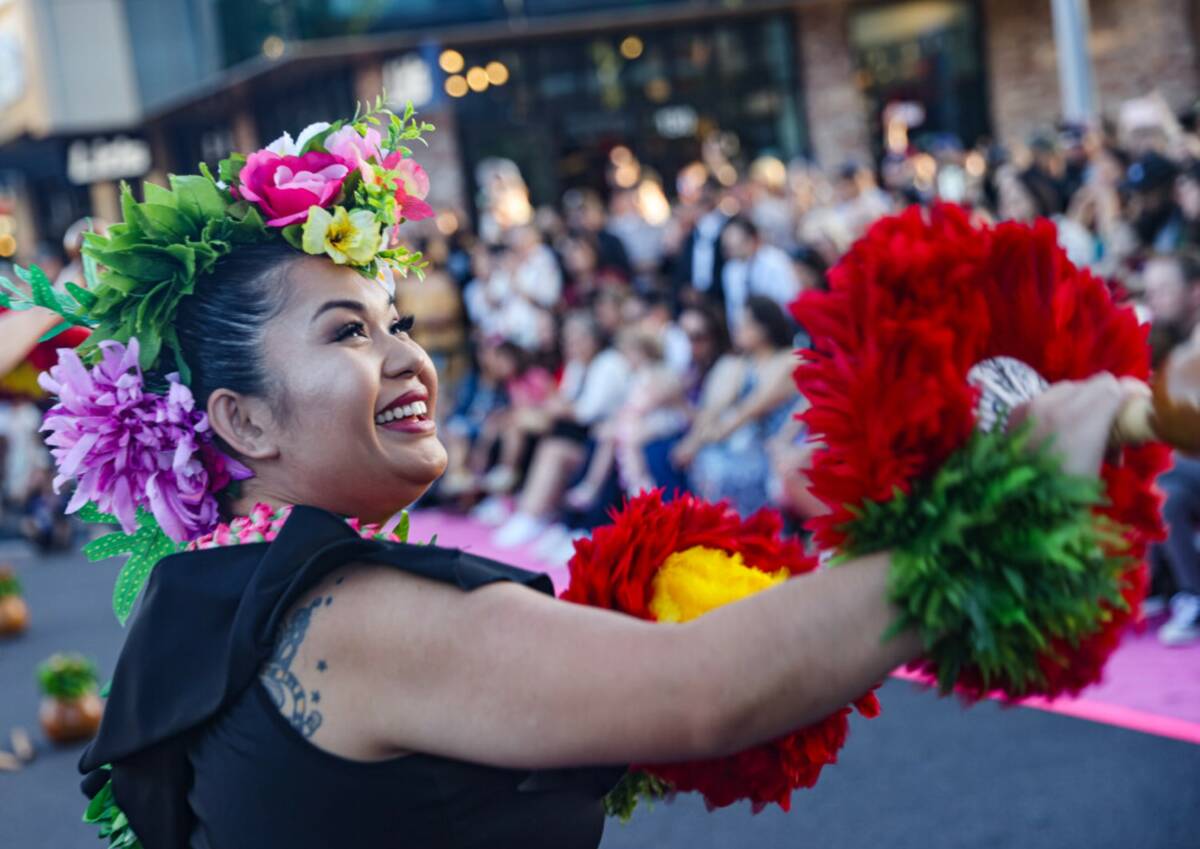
594,380
1181,511
708,344
657,319
654,407
480,397
791,457
725,452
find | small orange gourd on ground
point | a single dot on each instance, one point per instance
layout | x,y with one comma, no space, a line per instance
71,707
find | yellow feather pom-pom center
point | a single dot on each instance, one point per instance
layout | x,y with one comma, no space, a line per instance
696,580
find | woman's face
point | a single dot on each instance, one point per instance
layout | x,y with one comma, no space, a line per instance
750,336
700,337
356,433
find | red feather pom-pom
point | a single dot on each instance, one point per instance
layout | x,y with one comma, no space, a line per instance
917,302
615,569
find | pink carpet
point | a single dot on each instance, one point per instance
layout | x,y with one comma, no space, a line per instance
1146,687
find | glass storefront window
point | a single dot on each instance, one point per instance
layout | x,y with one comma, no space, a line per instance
922,59
568,102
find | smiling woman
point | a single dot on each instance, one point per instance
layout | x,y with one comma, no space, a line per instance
323,339
252,411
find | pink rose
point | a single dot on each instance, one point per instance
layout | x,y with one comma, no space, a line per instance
357,149
412,185
284,187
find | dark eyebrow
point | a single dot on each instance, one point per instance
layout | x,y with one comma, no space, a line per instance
353,306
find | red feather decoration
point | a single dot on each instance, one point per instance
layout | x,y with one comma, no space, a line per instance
615,569
917,302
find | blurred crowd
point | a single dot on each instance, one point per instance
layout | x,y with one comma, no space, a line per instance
637,335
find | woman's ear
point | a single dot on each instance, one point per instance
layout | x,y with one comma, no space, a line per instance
245,424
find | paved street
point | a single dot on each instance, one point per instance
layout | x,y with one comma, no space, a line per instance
925,774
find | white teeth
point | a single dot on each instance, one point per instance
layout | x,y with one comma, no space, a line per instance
416,408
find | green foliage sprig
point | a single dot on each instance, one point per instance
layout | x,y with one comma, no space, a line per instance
634,787
67,676
114,825
996,556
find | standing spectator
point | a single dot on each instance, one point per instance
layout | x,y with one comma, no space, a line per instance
1043,179
1187,197
584,212
1171,286
1152,211
753,268
642,240
697,266
860,201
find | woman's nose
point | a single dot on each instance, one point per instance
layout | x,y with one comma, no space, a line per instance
403,356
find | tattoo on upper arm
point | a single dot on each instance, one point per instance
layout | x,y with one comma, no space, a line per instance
280,678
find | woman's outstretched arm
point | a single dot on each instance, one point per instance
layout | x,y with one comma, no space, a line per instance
509,677
20,332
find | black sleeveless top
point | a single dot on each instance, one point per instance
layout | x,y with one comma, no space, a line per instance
201,757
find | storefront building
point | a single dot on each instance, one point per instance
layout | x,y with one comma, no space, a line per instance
557,85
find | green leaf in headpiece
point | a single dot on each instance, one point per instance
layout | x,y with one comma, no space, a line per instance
145,547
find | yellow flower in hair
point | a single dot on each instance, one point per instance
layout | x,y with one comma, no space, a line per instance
349,238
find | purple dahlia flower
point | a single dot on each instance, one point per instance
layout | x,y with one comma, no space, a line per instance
127,448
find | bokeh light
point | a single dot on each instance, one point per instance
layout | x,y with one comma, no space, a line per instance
273,46
451,61
477,79
456,85
497,73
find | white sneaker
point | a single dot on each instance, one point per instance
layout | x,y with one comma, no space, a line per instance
562,554
1183,627
493,511
518,530
499,480
1153,605
551,541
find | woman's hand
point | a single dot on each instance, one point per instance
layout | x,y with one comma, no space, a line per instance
1077,418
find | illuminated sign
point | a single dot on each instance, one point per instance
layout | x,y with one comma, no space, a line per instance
119,158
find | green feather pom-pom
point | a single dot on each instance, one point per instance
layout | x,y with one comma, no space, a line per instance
114,827
634,787
995,559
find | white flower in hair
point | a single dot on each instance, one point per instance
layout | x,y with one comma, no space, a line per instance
284,146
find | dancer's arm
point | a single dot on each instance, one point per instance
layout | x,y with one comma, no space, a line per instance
509,677
20,332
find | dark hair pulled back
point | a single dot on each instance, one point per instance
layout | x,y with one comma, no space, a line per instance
220,325
770,317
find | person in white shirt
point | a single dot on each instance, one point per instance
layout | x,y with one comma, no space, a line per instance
753,267
594,382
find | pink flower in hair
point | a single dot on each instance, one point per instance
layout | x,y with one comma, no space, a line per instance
361,151
127,448
412,185
285,187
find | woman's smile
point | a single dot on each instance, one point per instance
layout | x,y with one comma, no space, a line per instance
407,413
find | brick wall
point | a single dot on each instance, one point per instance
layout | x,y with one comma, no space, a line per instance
835,110
1135,47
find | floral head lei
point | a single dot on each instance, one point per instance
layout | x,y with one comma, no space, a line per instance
125,430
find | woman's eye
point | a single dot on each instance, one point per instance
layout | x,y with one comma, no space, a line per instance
354,328
402,325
